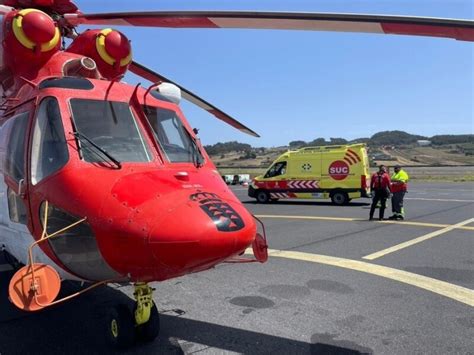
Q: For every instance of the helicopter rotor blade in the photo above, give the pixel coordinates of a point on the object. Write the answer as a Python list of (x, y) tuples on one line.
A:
[(154, 77), (381, 24), (5, 9)]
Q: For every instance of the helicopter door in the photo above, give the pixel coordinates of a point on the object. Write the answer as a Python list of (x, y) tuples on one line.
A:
[(14, 134), (49, 151)]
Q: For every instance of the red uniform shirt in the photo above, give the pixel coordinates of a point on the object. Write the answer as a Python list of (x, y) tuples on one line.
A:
[(380, 181)]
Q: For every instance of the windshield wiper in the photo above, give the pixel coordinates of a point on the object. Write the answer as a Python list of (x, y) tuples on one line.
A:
[(83, 138), (198, 159)]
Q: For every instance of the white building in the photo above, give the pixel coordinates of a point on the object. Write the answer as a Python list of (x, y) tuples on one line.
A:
[(423, 143)]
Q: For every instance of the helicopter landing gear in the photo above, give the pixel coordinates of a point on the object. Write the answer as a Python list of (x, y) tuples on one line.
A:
[(125, 327), (120, 328), (146, 314)]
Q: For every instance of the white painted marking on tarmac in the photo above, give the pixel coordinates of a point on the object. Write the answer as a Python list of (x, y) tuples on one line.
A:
[(437, 199), (446, 289), (409, 243)]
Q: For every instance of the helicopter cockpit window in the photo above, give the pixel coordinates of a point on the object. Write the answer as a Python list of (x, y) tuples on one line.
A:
[(67, 83), (15, 135), (172, 136), (49, 149), (277, 170), (112, 127), (15, 152)]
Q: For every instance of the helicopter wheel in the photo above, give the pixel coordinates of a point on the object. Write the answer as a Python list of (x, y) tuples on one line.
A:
[(120, 327), (148, 331)]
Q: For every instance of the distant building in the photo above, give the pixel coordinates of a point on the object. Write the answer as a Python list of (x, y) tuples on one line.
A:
[(382, 156), (423, 143)]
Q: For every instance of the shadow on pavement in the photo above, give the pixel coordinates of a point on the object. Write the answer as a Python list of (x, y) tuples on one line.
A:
[(76, 327)]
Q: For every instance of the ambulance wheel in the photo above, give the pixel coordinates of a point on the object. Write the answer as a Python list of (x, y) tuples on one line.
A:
[(340, 198), (262, 196), (120, 327)]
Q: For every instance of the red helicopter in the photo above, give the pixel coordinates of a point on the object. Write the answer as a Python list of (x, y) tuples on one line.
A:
[(105, 182)]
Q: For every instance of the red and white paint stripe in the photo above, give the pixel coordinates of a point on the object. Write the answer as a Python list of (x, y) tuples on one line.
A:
[(381, 24), (280, 195), (303, 184)]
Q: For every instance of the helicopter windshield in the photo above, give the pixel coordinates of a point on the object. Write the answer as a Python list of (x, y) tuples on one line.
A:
[(110, 126), (173, 138)]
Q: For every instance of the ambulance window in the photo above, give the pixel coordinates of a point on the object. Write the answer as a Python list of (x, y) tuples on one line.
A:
[(277, 169), (49, 149)]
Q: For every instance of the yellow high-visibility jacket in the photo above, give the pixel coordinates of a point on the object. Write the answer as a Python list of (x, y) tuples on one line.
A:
[(400, 181)]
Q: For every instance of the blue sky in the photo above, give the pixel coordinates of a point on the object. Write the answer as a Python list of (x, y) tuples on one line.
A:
[(295, 85)]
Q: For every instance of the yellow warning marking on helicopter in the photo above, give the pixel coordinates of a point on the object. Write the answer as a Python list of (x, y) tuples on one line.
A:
[(446, 289), (101, 49), (17, 26), (416, 240), (344, 219)]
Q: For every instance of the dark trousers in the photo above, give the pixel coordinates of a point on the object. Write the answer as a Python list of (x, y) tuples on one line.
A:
[(380, 195), (397, 203)]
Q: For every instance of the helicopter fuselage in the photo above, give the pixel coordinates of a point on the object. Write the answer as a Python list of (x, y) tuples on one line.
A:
[(125, 159)]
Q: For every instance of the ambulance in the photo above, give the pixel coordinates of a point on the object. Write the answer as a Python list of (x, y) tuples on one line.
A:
[(338, 172)]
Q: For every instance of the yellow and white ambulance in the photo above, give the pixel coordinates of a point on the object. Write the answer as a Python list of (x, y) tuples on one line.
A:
[(340, 173)]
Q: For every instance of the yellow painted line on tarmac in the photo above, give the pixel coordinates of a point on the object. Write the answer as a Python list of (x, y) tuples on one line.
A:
[(446, 289), (423, 224), (319, 218), (416, 240), (437, 199), (344, 219)]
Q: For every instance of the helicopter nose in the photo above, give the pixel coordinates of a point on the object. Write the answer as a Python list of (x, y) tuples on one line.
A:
[(200, 233)]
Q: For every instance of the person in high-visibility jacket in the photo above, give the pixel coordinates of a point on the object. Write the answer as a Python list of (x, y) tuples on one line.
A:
[(399, 189)]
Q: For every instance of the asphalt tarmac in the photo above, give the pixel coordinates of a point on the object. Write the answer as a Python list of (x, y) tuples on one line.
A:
[(335, 283)]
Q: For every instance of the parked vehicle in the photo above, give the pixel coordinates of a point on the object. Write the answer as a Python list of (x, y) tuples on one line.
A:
[(237, 179), (340, 173)]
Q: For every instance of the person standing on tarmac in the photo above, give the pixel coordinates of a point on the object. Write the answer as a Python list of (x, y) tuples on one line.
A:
[(399, 188), (380, 191)]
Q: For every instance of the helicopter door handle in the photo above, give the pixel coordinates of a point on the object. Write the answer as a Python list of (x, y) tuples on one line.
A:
[(20, 188), (182, 175)]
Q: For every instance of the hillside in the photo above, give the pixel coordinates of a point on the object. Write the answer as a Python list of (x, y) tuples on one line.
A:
[(388, 147)]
